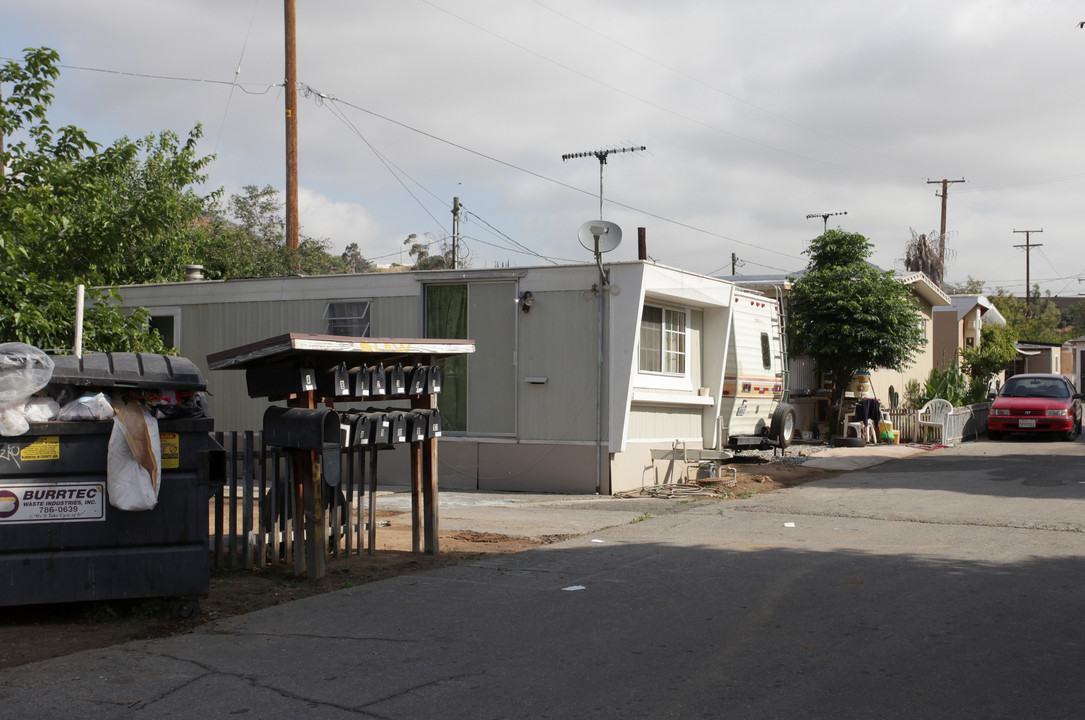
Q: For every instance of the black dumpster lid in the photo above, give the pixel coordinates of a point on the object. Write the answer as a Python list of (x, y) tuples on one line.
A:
[(128, 370)]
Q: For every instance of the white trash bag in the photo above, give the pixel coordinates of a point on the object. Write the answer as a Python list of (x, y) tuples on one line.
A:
[(134, 463)]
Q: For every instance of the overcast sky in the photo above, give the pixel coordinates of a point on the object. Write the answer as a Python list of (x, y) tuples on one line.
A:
[(754, 114)]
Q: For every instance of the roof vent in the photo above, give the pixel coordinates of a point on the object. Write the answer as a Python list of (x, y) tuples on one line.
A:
[(193, 273)]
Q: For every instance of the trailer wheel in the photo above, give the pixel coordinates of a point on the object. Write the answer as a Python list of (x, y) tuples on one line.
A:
[(782, 429)]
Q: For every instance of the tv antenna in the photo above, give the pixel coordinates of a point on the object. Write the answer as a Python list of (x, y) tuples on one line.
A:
[(825, 218), (601, 155)]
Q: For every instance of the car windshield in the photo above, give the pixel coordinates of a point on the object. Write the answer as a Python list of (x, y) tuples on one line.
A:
[(1035, 388)]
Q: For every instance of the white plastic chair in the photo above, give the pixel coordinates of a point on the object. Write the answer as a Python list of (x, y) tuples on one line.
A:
[(932, 416)]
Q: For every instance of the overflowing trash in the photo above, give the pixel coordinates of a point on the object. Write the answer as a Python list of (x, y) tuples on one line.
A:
[(24, 370), (36, 388)]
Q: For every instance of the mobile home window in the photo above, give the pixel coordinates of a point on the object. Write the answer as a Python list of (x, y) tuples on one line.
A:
[(766, 351), (347, 318), (662, 340)]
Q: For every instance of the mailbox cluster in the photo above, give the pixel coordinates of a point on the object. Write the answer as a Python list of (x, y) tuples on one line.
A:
[(325, 430)]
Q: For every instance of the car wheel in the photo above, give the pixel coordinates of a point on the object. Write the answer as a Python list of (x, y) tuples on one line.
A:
[(994, 434)]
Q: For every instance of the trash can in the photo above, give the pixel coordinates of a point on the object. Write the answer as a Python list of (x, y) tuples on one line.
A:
[(61, 540)]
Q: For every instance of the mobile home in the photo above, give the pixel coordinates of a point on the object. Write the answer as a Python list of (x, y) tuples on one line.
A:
[(576, 378)]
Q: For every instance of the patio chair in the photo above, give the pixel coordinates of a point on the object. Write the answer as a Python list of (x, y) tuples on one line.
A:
[(932, 416), (863, 419)]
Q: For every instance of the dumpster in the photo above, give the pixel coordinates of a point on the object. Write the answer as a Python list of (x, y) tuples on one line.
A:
[(60, 539)]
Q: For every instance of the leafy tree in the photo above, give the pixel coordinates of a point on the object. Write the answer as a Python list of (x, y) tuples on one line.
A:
[(849, 315), (971, 286), (50, 174), (248, 239), (354, 261), (421, 251), (996, 351), (1038, 324)]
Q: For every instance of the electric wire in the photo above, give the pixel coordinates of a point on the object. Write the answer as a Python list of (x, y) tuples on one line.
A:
[(657, 106), (237, 73)]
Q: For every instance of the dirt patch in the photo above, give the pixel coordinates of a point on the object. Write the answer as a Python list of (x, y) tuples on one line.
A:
[(33, 633)]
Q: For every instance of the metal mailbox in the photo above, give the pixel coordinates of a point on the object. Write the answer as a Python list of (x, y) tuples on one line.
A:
[(280, 380), (307, 429), (333, 381)]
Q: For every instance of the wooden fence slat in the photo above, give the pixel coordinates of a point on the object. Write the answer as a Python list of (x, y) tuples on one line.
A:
[(247, 476)]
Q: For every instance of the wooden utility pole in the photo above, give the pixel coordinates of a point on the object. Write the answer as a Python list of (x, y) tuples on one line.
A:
[(455, 232), (291, 128), (944, 196), (1028, 247)]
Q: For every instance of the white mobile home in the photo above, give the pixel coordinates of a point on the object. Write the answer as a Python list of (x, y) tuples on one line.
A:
[(527, 410)]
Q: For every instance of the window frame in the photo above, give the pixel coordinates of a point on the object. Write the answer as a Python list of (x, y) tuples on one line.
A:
[(344, 320), (665, 379)]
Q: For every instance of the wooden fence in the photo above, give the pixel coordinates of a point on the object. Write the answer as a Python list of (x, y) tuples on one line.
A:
[(251, 515)]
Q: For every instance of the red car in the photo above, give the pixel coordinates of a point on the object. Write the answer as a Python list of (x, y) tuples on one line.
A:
[(1036, 403)]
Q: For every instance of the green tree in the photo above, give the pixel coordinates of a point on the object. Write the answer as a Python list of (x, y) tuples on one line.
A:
[(426, 261), (971, 286), (1040, 323), (50, 174), (848, 315), (248, 239), (996, 351), (354, 261)]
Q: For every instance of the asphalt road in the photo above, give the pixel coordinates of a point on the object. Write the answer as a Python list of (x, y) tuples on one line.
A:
[(947, 585)]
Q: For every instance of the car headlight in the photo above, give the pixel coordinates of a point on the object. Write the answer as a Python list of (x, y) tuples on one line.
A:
[(1000, 411), (1057, 412)]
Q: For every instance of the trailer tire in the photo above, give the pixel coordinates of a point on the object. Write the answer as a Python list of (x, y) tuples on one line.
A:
[(853, 442), (782, 429)]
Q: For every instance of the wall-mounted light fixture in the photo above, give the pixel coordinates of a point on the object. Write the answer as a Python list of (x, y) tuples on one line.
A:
[(526, 300)]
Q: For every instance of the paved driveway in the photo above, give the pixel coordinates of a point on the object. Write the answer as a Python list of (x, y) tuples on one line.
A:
[(942, 586)]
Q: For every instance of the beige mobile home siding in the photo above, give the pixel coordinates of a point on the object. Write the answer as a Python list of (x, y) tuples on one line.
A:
[(665, 423), (559, 341)]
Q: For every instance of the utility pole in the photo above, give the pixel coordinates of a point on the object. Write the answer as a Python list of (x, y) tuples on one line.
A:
[(825, 219), (455, 232), (1028, 247), (734, 263), (944, 196), (601, 155), (291, 128)]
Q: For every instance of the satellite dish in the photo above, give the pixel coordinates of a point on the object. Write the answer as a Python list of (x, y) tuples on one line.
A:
[(600, 236)]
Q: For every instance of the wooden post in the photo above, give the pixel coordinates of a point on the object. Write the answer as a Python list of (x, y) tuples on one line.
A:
[(309, 523), (427, 478), (416, 497)]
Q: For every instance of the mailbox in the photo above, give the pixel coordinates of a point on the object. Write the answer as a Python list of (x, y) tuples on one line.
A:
[(417, 379), (361, 381), (378, 380), (333, 381), (433, 423), (433, 381), (279, 380), (361, 427), (397, 380), (307, 429)]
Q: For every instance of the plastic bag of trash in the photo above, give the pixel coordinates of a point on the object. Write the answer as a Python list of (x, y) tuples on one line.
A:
[(87, 407), (41, 409), (13, 419), (24, 369), (134, 458)]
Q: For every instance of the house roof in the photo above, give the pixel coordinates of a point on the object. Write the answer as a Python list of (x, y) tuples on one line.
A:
[(919, 282), (964, 304)]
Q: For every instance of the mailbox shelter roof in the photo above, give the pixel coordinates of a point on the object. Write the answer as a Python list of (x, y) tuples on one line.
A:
[(295, 345)]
